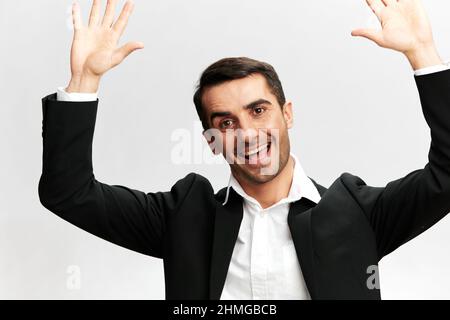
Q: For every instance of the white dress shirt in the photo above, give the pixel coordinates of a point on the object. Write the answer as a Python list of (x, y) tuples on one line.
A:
[(264, 262)]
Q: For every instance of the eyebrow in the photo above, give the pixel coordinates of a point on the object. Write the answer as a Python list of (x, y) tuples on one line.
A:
[(251, 105)]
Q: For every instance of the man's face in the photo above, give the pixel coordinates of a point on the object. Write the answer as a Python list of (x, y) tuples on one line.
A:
[(251, 125)]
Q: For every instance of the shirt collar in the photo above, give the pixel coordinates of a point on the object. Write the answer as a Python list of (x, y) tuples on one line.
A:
[(301, 186)]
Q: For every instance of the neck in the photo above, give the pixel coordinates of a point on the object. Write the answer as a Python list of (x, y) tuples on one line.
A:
[(271, 192)]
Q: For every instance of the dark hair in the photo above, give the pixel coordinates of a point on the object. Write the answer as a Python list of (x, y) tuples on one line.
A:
[(234, 68)]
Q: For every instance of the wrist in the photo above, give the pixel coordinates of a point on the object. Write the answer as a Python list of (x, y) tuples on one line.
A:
[(83, 84), (423, 57)]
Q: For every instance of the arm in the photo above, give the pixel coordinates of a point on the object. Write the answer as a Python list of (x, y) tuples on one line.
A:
[(408, 206), (67, 186)]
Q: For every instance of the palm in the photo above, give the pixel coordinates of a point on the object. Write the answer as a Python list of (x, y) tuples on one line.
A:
[(94, 48), (92, 51), (404, 23)]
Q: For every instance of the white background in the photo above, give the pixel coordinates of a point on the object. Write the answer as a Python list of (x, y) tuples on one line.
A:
[(356, 109)]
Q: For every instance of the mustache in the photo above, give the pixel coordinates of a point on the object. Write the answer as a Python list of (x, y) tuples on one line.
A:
[(252, 138)]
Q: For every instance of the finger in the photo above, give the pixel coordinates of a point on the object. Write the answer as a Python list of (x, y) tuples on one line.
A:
[(371, 34), (377, 6), (76, 16), (124, 51), (95, 13), (108, 18), (122, 21)]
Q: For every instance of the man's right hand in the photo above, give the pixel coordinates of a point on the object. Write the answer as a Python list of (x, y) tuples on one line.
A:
[(94, 48)]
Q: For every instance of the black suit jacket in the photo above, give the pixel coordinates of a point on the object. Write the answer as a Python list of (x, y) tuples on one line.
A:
[(351, 228)]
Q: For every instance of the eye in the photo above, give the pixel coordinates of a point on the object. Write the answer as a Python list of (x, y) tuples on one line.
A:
[(258, 110), (226, 123)]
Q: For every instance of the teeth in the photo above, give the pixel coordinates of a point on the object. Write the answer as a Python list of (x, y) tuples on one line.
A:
[(257, 150)]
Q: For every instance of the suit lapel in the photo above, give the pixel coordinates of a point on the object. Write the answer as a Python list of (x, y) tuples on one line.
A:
[(228, 220), (226, 228), (299, 221)]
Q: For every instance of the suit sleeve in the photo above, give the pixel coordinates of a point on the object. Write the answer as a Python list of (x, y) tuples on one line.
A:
[(67, 187), (406, 207)]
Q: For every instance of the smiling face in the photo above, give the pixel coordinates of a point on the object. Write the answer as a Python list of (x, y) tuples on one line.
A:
[(252, 126)]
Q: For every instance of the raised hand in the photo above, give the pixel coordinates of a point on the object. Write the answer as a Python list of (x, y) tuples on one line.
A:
[(405, 28), (94, 48)]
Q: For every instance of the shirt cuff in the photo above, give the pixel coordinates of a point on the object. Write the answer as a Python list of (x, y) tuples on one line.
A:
[(62, 95), (432, 69)]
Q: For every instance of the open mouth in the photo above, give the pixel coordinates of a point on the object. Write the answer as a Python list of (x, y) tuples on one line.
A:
[(258, 156), (257, 151)]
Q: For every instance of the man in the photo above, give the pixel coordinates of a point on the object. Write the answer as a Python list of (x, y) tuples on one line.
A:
[(273, 233)]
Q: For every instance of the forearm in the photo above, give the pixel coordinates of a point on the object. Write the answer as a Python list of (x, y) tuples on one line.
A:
[(80, 89), (67, 134), (435, 100), (84, 83), (68, 188), (423, 57), (408, 206)]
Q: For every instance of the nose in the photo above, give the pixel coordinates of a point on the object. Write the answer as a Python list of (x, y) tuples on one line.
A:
[(247, 133)]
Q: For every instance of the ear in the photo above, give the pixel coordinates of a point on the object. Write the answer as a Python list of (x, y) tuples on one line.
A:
[(288, 115), (213, 139)]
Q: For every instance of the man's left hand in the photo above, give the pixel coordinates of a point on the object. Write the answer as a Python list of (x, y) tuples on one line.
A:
[(405, 28)]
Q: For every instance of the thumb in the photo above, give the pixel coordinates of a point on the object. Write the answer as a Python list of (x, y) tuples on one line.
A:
[(121, 53), (371, 34)]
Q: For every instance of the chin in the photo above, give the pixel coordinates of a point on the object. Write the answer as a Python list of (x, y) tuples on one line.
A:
[(259, 178), (261, 167), (257, 175)]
